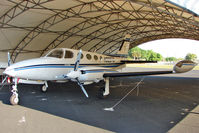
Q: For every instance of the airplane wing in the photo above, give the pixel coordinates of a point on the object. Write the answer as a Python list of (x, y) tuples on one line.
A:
[(127, 74), (180, 67), (137, 61)]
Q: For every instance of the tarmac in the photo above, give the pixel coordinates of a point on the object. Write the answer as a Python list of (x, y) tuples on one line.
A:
[(164, 104), (190, 124)]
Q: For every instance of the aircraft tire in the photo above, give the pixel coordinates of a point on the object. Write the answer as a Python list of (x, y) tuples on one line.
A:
[(14, 100), (44, 89)]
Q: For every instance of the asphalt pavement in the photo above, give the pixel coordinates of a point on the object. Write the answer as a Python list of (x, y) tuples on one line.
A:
[(162, 102)]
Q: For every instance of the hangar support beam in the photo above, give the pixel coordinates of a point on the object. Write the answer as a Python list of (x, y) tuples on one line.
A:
[(99, 25)]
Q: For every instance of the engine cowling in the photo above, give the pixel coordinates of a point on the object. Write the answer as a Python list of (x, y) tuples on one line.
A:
[(91, 74), (184, 66)]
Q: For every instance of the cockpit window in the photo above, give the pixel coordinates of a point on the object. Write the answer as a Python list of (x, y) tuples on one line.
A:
[(68, 54), (56, 54)]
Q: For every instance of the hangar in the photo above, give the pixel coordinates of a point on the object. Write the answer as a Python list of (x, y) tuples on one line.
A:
[(29, 28)]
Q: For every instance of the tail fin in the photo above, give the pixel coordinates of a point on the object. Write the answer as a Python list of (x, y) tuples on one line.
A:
[(124, 48)]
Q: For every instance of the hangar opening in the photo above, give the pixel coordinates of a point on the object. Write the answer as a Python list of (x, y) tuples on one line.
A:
[(174, 48)]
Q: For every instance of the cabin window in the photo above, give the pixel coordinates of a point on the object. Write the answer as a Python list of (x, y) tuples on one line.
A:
[(82, 56), (56, 53), (95, 57), (101, 58), (68, 54), (88, 56)]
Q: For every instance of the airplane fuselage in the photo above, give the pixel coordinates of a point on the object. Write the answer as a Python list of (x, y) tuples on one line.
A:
[(61, 61)]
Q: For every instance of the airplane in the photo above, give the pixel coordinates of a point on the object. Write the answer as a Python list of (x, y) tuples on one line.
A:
[(64, 64)]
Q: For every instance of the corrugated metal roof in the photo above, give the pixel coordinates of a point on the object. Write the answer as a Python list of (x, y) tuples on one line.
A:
[(29, 28)]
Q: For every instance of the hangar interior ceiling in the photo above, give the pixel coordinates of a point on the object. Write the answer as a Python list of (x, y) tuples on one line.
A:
[(29, 28)]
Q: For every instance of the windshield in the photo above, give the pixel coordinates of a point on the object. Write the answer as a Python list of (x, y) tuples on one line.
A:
[(56, 53)]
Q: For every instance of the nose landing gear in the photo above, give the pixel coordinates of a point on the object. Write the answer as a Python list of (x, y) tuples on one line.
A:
[(14, 99)]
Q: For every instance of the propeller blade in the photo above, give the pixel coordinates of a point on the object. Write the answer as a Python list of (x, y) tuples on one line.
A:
[(9, 60), (82, 87), (3, 82), (4, 79), (77, 60)]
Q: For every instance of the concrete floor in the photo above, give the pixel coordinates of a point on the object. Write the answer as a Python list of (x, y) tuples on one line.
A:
[(190, 124), (163, 101)]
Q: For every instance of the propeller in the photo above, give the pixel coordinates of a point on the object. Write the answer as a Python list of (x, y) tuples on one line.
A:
[(3, 82), (82, 87), (9, 59), (75, 74), (78, 60)]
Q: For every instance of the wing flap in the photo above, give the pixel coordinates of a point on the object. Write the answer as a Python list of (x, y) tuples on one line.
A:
[(126, 74)]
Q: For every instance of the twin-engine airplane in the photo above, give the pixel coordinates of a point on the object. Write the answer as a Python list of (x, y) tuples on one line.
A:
[(63, 64)]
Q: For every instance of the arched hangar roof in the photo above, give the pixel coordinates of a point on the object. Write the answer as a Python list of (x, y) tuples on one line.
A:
[(28, 28)]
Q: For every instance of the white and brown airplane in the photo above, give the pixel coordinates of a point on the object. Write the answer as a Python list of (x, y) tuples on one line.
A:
[(63, 64)]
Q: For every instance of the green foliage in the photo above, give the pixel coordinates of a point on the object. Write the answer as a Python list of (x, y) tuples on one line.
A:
[(191, 56), (179, 59), (171, 59), (138, 53)]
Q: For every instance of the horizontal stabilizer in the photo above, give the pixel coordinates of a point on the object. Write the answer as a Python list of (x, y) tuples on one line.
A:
[(127, 74)]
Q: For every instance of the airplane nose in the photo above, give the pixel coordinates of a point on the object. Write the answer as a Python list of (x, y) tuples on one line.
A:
[(9, 71)]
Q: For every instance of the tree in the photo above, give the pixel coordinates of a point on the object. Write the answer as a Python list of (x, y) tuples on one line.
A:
[(135, 53), (143, 54), (138, 53), (152, 56), (171, 59), (191, 56), (159, 57), (179, 59)]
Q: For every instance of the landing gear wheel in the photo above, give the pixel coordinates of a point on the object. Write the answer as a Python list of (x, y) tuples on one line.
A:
[(44, 88), (14, 100), (101, 93)]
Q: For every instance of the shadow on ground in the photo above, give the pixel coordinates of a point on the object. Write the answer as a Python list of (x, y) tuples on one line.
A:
[(159, 106)]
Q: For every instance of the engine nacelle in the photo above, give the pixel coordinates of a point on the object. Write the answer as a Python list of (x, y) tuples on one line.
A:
[(91, 77), (91, 74), (184, 66)]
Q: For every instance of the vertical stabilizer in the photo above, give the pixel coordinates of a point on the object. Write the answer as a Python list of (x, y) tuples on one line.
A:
[(124, 48)]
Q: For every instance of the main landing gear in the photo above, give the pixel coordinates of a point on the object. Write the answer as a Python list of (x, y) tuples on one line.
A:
[(44, 87), (104, 91), (14, 99)]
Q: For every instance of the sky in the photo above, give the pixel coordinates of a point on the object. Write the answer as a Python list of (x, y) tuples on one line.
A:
[(173, 47), (192, 5)]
